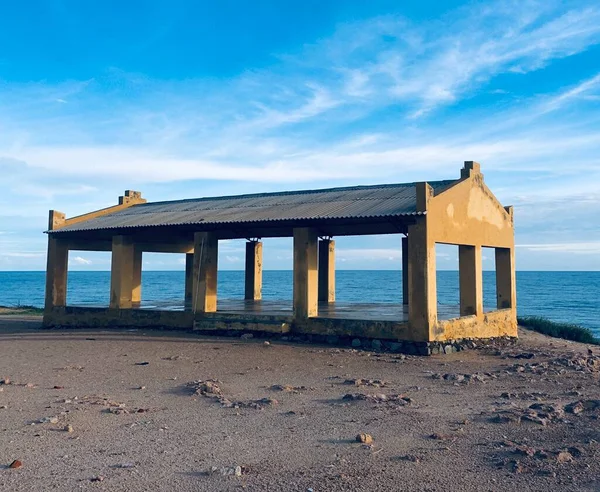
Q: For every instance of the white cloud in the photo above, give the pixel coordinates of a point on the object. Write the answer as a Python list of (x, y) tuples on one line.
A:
[(591, 248), (78, 260)]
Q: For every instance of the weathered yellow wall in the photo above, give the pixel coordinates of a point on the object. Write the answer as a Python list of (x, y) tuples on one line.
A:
[(468, 213), (493, 324)]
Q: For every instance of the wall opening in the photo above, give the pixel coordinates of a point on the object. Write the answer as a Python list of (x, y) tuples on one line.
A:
[(488, 261), (447, 281), (163, 281), (88, 278)]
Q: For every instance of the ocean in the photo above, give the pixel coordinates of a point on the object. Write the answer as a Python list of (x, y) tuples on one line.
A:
[(572, 297)]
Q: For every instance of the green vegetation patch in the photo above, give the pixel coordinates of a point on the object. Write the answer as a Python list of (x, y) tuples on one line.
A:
[(568, 331), (21, 309)]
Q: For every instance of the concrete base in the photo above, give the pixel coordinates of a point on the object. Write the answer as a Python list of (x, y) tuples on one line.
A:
[(337, 326)]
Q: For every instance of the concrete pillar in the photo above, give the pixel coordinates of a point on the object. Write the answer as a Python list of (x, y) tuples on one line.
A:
[(471, 280), (327, 270), (253, 279), (121, 272), (422, 302), (206, 251), (136, 284), (56, 273), (505, 278), (189, 280), (405, 270), (305, 273)]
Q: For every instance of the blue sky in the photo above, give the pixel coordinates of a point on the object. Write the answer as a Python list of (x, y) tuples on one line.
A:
[(184, 99)]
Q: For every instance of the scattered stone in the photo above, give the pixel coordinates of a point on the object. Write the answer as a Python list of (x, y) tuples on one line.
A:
[(380, 398), (5, 381), (48, 420), (266, 343), (58, 387), (364, 438), (69, 428), (125, 465), (459, 378), (564, 457), (288, 389), (577, 407), (247, 336), (376, 383), (226, 471), (524, 450), (29, 385), (142, 363), (410, 457), (99, 478), (141, 387), (16, 464), (443, 437), (210, 389), (3, 407)]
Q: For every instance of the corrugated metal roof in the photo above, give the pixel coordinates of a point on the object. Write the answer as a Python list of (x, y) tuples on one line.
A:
[(336, 203)]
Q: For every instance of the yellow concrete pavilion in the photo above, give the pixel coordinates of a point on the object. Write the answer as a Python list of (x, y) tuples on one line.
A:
[(461, 212)]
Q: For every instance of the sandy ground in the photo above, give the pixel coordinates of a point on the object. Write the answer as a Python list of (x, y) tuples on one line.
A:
[(139, 427)]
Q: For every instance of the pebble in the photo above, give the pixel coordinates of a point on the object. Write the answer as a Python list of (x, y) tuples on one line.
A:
[(69, 428), (364, 438), (16, 464), (48, 420), (97, 479), (266, 344)]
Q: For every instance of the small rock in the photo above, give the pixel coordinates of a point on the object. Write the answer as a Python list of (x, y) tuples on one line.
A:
[(69, 428), (524, 450), (364, 438), (142, 363), (3, 407), (48, 420), (266, 343), (16, 464), (141, 387), (58, 387), (564, 457), (5, 381), (99, 478)]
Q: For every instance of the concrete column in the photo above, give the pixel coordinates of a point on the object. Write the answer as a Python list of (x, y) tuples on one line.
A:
[(405, 270), (305, 273), (206, 250), (327, 270), (422, 303), (121, 272), (189, 281), (136, 284), (505, 279), (253, 279), (56, 273), (471, 280)]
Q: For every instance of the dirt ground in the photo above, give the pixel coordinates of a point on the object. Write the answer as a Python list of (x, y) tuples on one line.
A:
[(144, 410)]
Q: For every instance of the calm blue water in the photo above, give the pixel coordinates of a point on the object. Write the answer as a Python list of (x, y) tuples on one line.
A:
[(562, 296)]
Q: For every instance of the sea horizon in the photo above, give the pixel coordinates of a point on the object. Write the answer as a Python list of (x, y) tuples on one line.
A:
[(562, 296)]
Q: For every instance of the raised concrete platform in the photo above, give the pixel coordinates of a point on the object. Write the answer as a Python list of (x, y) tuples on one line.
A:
[(284, 309)]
